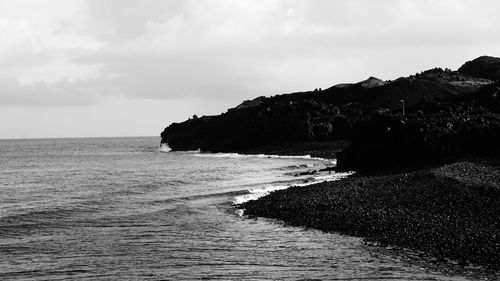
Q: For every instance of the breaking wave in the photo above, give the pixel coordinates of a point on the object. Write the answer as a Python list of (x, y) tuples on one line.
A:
[(254, 194), (238, 155), (164, 148)]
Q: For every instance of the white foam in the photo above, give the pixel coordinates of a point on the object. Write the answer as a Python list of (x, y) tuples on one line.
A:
[(237, 155), (189, 151), (255, 194), (164, 148)]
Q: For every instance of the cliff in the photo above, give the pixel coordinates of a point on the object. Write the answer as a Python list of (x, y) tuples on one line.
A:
[(446, 131), (442, 106)]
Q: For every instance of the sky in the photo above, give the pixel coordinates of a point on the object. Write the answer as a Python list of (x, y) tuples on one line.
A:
[(95, 68)]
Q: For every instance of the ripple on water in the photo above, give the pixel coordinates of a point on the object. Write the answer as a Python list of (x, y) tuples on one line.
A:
[(85, 212)]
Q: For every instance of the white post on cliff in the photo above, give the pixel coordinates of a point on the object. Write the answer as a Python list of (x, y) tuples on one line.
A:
[(403, 102)]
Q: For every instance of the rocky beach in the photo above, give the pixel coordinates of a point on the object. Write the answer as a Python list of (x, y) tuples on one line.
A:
[(425, 149), (448, 212)]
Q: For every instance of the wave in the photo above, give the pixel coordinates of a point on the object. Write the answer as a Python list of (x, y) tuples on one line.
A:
[(165, 148), (295, 167), (238, 155), (185, 151), (29, 221), (230, 193), (254, 194)]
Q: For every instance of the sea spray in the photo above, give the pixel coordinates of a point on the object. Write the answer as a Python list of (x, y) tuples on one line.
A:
[(164, 148)]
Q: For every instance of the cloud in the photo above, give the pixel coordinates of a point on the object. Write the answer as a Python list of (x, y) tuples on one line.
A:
[(19, 45), (228, 50), (62, 93), (117, 67), (126, 19), (220, 49)]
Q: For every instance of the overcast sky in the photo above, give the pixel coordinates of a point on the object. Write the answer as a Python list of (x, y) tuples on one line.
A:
[(71, 68)]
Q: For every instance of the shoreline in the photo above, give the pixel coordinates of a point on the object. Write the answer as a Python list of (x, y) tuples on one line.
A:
[(327, 150), (448, 212)]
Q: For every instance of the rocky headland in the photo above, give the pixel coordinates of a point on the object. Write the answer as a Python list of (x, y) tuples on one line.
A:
[(447, 113), (426, 148)]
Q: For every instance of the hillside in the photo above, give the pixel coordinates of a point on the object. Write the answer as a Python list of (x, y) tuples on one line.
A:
[(485, 66)]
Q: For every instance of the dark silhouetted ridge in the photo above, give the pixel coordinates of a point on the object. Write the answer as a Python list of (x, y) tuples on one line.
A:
[(447, 113), (484, 67)]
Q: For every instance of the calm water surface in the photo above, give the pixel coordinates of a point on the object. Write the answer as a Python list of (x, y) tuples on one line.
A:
[(119, 209)]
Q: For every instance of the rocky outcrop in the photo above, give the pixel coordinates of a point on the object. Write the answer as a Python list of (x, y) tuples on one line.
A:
[(484, 67), (273, 121), (448, 112), (428, 132), (372, 82), (368, 83), (250, 103)]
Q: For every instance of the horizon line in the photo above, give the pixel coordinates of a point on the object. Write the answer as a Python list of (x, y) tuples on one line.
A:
[(87, 137)]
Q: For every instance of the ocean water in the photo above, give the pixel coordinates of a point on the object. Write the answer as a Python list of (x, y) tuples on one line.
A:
[(121, 209)]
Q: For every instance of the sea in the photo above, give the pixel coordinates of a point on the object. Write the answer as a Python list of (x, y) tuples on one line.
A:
[(128, 209)]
